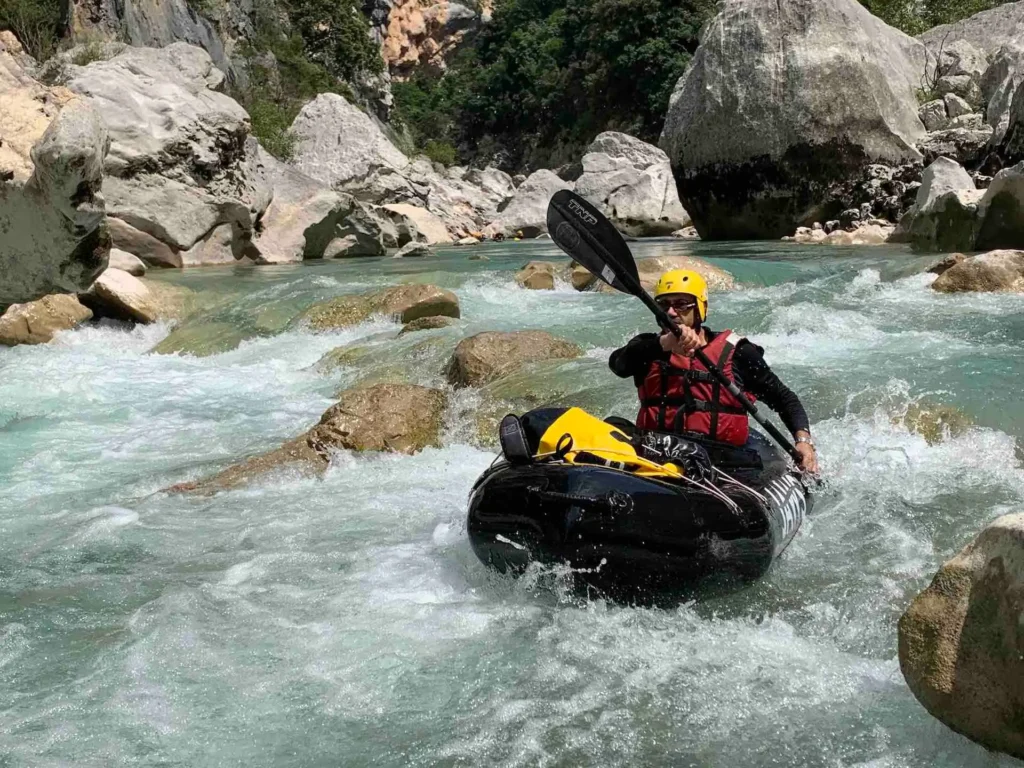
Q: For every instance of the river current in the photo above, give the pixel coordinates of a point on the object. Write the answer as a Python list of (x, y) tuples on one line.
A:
[(345, 621)]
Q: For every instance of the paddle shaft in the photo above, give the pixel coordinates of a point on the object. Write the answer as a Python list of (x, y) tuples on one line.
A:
[(669, 324)]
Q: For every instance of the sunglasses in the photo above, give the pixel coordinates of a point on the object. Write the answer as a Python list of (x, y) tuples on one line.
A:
[(679, 305)]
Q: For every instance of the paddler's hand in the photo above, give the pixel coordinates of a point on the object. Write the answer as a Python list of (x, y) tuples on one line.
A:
[(685, 344), (808, 458)]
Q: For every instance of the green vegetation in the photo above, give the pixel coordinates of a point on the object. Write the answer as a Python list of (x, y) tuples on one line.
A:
[(440, 152), (328, 45), (336, 36), (34, 22), (553, 73), (916, 16)]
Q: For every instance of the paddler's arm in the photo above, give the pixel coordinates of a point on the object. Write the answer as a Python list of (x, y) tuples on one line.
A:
[(761, 381), (635, 358)]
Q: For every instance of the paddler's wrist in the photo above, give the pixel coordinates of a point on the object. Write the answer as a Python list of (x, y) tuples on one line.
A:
[(803, 437)]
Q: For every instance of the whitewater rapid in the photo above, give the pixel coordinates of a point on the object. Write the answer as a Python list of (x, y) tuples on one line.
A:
[(346, 621)]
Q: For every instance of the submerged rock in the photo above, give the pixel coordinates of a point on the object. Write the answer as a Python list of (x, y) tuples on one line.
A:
[(405, 302), (960, 643), (935, 421), (402, 418), (487, 356), (427, 323), (37, 322), (202, 339), (814, 92), (996, 271)]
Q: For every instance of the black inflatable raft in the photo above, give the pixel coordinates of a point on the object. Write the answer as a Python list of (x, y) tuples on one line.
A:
[(639, 538)]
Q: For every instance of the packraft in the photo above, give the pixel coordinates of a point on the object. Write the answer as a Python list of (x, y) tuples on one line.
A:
[(573, 490)]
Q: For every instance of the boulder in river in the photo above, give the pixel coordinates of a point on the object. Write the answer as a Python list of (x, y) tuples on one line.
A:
[(944, 214), (1001, 211), (996, 271), (412, 251), (527, 211), (488, 356), (538, 275), (127, 262), (52, 148), (37, 322), (119, 295), (405, 302), (631, 182), (814, 92), (427, 324), (652, 267), (960, 646), (401, 418)]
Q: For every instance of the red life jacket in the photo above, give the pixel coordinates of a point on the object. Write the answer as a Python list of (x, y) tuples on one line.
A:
[(681, 395)]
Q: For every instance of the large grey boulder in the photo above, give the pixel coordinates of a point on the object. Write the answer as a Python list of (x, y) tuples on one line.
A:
[(337, 143), (944, 214), (526, 212), (631, 182), (52, 148), (980, 58), (343, 148), (999, 85), (182, 167), (783, 102), (960, 639), (303, 216), (984, 32), (1001, 211)]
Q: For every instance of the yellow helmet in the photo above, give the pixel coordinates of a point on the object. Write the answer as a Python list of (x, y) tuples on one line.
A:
[(685, 281)]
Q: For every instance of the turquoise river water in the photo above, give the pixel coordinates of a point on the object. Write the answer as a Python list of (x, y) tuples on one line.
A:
[(346, 622)]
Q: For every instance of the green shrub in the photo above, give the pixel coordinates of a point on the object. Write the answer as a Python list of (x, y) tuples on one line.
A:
[(36, 24), (270, 124), (88, 53), (440, 152), (336, 35)]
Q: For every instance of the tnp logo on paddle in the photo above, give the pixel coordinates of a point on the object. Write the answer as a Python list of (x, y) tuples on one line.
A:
[(582, 212)]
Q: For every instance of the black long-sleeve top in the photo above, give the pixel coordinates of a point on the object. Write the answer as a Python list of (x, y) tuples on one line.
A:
[(749, 369)]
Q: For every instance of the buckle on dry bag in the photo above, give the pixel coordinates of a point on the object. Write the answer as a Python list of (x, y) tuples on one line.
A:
[(513, 441)]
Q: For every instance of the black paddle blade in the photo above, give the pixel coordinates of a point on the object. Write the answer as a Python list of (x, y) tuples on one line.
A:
[(583, 232)]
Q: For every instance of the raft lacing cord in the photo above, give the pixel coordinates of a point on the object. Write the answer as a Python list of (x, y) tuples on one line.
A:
[(706, 487), (733, 481)]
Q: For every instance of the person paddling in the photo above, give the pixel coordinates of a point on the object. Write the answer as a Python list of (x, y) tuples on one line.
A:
[(677, 393)]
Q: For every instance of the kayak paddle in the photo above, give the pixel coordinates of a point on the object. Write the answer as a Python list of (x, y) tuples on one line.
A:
[(585, 234)]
